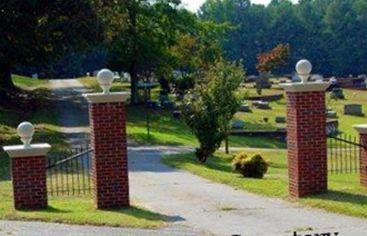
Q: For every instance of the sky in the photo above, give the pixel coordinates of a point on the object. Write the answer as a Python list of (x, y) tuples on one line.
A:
[(194, 5)]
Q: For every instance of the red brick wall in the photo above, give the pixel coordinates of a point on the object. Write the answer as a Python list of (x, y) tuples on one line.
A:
[(363, 161), (307, 143), (29, 182), (109, 165)]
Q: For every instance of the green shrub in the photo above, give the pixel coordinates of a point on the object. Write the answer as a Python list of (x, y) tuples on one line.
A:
[(253, 167), (209, 107)]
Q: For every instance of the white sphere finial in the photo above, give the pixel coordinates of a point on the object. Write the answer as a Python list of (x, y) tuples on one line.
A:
[(105, 79), (25, 131), (304, 68)]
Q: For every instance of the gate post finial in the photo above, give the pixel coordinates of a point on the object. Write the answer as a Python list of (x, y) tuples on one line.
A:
[(304, 68), (105, 80), (25, 131)]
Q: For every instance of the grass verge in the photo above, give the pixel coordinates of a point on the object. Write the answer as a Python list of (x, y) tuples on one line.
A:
[(345, 195), (79, 210)]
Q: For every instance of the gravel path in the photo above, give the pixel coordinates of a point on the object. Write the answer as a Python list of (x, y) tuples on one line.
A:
[(72, 109), (195, 205)]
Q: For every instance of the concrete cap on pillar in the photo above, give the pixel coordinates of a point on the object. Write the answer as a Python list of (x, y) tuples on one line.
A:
[(362, 129), (25, 131), (304, 68)]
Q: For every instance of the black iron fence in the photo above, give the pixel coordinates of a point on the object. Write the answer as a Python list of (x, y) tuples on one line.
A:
[(70, 175), (343, 154)]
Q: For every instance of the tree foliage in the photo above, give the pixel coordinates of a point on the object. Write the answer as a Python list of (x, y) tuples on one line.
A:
[(330, 33), (139, 34), (273, 59), (210, 106), (34, 32)]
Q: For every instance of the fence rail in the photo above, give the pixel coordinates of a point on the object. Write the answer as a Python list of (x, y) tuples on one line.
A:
[(70, 175), (343, 154)]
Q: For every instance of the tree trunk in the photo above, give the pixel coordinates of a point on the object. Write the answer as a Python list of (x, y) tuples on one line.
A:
[(226, 143), (132, 10), (134, 86), (6, 83)]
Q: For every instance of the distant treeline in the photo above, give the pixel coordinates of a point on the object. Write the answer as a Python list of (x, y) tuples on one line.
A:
[(332, 34)]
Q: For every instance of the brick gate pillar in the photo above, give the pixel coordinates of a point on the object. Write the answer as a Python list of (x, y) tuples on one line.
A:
[(108, 139), (306, 134), (362, 129), (28, 170)]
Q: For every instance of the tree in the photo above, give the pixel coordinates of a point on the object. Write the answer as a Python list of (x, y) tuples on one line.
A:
[(210, 106), (268, 62), (312, 28), (140, 33), (273, 59), (34, 32), (194, 53)]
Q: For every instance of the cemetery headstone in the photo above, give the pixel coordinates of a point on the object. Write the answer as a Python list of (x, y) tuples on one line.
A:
[(353, 110), (176, 114), (332, 126), (337, 93), (261, 104), (116, 76), (168, 105), (152, 104), (331, 114), (238, 124), (245, 108), (280, 119)]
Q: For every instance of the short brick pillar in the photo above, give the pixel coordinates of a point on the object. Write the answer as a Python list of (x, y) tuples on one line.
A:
[(362, 129), (306, 138), (108, 140), (28, 169)]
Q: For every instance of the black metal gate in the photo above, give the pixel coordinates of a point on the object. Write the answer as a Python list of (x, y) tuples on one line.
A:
[(70, 175), (344, 154)]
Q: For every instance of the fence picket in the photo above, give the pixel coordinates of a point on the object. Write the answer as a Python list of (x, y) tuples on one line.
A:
[(70, 175), (343, 154)]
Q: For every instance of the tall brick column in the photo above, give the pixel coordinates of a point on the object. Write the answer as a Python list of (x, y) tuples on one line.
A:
[(28, 165), (108, 140), (306, 137), (362, 129)]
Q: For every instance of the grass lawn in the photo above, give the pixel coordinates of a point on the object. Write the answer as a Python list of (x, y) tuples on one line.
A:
[(167, 130), (29, 83), (79, 210), (345, 194), (255, 119)]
